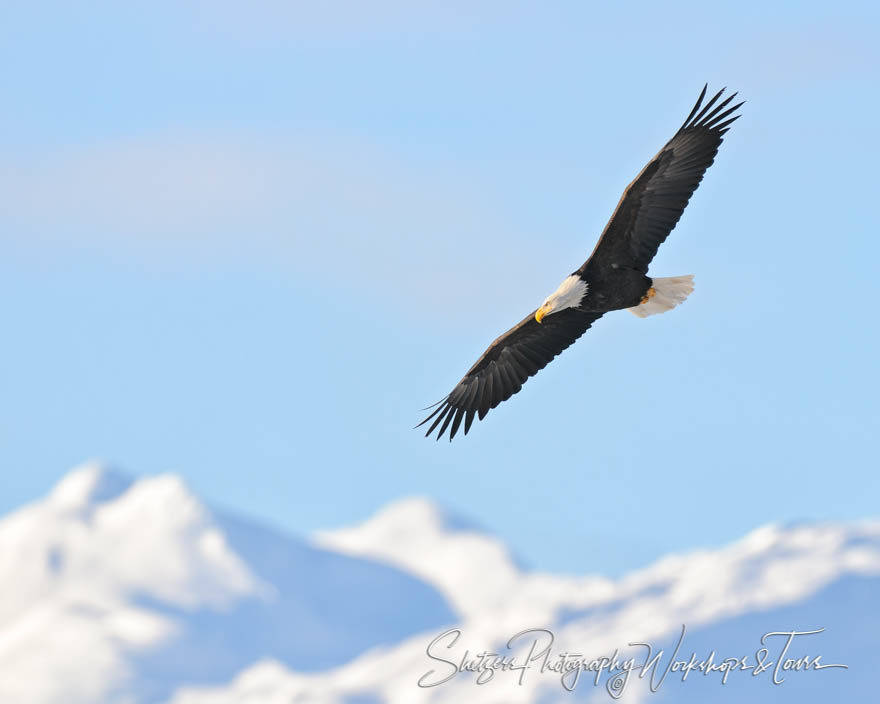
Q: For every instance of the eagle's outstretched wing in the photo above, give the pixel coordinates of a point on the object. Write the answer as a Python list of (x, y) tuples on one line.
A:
[(506, 365), (652, 204)]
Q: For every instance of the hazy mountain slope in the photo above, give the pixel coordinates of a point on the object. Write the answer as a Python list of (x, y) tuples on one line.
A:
[(112, 587), (799, 577), (119, 591)]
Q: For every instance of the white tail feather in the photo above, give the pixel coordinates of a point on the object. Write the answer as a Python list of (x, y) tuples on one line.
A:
[(668, 293)]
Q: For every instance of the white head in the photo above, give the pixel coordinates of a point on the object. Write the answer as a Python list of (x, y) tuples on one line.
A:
[(569, 295)]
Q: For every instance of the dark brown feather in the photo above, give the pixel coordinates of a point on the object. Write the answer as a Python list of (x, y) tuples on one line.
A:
[(653, 203), (506, 365)]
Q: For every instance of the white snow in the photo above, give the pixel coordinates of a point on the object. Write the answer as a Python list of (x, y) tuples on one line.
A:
[(73, 567), (115, 591), (771, 567), (472, 569)]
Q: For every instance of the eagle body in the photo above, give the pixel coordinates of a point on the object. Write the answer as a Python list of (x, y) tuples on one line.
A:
[(613, 288), (614, 277)]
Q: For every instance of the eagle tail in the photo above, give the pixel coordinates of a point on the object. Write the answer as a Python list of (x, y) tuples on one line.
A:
[(664, 295)]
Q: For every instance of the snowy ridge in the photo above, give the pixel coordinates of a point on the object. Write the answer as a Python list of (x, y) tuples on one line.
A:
[(133, 592), (117, 591), (469, 567), (72, 566), (771, 568)]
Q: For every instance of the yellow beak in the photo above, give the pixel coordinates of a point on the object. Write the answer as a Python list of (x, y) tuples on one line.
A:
[(541, 312)]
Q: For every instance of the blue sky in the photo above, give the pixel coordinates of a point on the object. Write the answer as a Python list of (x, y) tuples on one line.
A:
[(248, 244)]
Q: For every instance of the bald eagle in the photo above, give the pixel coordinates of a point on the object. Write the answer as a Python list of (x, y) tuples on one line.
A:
[(614, 277)]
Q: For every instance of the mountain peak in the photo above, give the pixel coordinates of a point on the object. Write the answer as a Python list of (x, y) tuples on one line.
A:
[(472, 568), (141, 585), (138, 587), (88, 485), (418, 513)]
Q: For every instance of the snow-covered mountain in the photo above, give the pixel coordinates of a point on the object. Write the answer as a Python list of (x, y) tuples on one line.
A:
[(469, 567), (121, 591), (135, 592)]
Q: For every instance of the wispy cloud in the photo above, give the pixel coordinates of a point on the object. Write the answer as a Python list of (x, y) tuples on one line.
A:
[(329, 210)]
